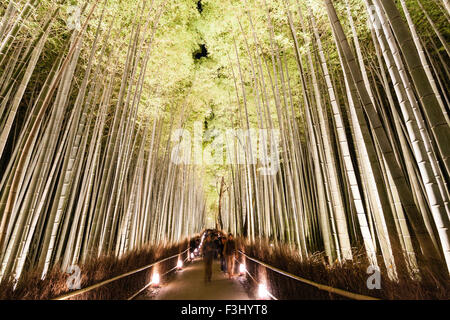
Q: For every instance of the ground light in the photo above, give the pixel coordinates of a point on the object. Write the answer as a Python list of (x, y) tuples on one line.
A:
[(155, 279), (192, 256), (179, 264), (242, 268), (262, 291)]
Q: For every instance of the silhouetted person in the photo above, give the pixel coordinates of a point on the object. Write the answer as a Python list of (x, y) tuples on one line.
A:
[(230, 251), (192, 244), (223, 263), (217, 245), (208, 256)]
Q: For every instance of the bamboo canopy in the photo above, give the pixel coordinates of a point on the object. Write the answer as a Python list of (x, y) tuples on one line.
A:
[(323, 125)]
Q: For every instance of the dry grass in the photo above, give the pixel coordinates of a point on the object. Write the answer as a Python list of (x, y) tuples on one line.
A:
[(350, 276), (31, 287)]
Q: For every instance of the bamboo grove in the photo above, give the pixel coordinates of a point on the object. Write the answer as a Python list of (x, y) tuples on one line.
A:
[(353, 92), (85, 176), (364, 161)]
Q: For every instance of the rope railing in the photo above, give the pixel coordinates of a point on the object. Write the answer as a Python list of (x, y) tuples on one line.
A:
[(319, 286), (256, 281), (102, 283)]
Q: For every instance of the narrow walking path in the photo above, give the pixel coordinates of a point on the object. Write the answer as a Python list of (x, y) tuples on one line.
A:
[(189, 285)]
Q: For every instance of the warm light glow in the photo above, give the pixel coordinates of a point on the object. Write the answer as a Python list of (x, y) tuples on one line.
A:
[(262, 291), (155, 279), (196, 250), (242, 268), (179, 264), (192, 256)]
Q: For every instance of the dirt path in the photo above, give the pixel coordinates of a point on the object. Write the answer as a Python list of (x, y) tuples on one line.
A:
[(189, 285)]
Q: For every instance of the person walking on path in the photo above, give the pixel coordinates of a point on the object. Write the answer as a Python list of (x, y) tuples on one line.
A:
[(223, 240), (230, 251), (217, 246), (208, 256), (193, 244)]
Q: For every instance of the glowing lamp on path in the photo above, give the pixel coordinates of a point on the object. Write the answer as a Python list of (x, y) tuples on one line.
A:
[(242, 268), (179, 264), (262, 291), (155, 279)]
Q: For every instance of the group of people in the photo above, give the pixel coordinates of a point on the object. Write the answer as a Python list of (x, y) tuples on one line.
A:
[(222, 246)]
